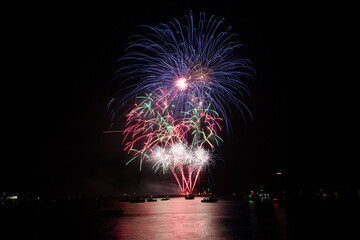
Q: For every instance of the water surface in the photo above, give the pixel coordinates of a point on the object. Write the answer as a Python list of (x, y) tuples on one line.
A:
[(185, 219)]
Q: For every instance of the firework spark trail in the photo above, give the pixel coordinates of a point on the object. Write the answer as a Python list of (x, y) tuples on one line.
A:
[(180, 158), (186, 60), (184, 79), (151, 124)]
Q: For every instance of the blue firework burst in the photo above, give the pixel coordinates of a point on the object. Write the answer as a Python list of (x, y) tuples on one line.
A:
[(190, 62)]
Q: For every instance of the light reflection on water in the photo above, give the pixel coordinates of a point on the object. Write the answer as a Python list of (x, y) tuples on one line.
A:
[(183, 219), (191, 219)]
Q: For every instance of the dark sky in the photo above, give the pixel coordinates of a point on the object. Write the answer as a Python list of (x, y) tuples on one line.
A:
[(60, 59)]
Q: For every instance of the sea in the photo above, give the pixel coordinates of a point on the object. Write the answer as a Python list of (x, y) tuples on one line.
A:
[(179, 218)]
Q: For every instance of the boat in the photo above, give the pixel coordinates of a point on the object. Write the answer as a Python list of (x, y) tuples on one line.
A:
[(137, 200), (210, 199), (165, 199), (151, 200), (189, 197)]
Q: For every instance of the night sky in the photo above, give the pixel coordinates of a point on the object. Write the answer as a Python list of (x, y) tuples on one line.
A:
[(60, 60)]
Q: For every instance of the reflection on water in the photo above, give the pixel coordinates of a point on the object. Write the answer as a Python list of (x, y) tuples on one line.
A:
[(183, 219), (191, 219)]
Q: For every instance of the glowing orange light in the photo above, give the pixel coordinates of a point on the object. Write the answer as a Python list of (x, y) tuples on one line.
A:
[(181, 83)]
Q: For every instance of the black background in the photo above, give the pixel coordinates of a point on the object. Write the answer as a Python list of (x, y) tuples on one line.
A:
[(60, 58)]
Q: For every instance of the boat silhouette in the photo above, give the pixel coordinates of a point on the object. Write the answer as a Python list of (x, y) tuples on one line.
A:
[(137, 200), (151, 199), (189, 197), (210, 199)]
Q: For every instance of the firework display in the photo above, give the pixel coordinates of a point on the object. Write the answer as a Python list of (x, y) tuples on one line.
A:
[(183, 79)]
